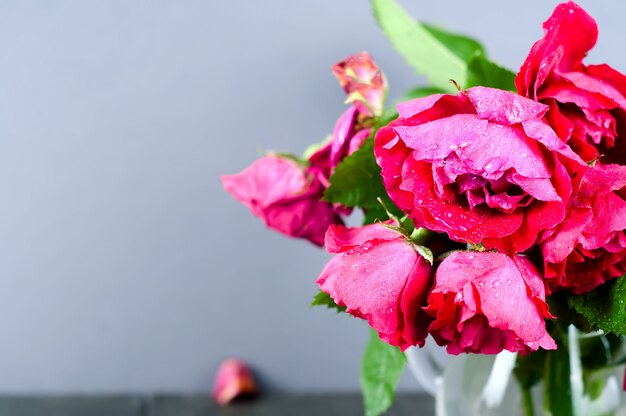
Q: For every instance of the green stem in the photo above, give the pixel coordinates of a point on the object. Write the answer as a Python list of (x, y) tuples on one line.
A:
[(557, 397), (529, 408)]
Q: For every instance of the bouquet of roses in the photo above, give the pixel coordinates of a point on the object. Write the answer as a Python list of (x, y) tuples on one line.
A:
[(494, 202)]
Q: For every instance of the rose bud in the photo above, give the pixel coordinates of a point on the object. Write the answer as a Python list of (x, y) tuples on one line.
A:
[(589, 247), (285, 195), (480, 166), (380, 276), (233, 380), (486, 302), (586, 102), (363, 82)]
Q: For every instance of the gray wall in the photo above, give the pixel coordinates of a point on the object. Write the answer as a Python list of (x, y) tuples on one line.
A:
[(123, 264)]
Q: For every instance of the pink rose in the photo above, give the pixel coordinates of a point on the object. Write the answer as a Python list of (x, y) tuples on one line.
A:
[(480, 166), (379, 275), (589, 247), (285, 195), (347, 137), (586, 102), (363, 82), (486, 302)]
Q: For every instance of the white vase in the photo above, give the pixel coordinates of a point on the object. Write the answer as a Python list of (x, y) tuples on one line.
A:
[(484, 385)]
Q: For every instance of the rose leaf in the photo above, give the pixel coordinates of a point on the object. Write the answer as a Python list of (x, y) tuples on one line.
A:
[(381, 368)]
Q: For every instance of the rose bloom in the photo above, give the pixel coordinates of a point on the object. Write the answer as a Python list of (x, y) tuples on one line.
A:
[(586, 101), (486, 302), (589, 247), (286, 196), (365, 86), (379, 275), (480, 166)]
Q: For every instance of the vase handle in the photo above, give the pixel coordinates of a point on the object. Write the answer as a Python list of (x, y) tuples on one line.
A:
[(425, 368)]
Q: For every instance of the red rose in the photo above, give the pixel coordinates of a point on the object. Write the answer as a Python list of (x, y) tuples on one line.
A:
[(379, 275), (486, 302), (586, 102), (286, 196), (480, 166), (589, 247)]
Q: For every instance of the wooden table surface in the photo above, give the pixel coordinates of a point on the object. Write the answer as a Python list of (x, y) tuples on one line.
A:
[(176, 405)]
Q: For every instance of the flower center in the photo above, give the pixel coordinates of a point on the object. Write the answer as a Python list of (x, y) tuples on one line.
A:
[(471, 190)]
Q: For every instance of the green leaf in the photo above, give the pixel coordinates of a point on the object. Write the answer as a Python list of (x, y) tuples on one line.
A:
[(374, 214), (605, 307), (462, 46), (381, 369), (356, 181), (481, 71), (438, 54), (324, 299)]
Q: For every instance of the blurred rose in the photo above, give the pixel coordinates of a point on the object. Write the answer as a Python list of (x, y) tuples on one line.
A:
[(486, 302), (586, 102), (233, 380), (285, 195), (379, 275)]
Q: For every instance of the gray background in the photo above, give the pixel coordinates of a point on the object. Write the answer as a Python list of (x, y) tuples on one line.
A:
[(123, 264)]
